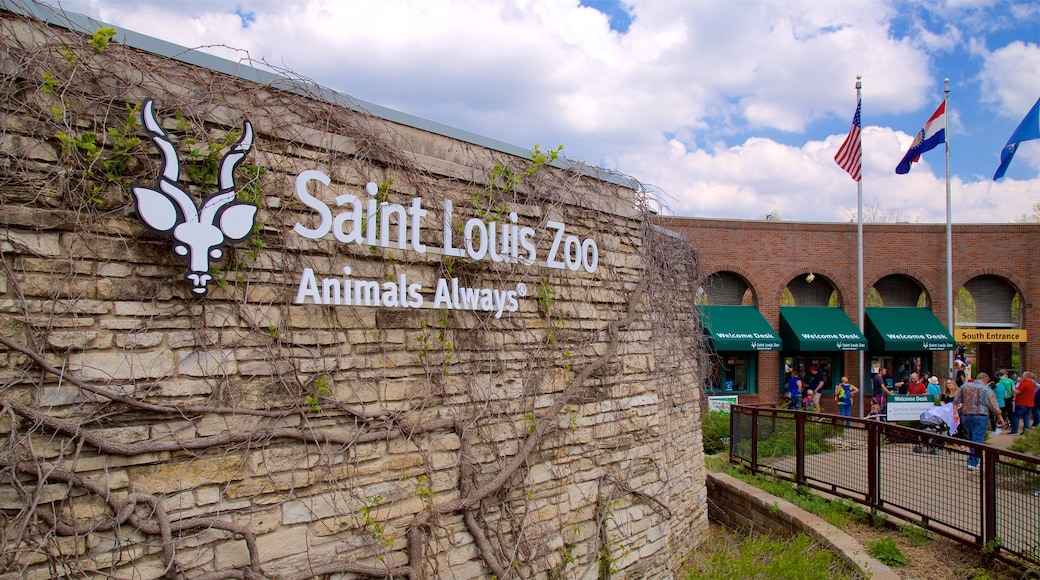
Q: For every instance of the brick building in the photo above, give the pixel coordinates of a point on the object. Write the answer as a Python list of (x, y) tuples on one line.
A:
[(780, 268)]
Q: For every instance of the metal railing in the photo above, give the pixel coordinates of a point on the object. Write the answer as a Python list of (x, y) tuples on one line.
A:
[(914, 475)]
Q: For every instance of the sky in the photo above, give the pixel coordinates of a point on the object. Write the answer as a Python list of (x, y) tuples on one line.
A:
[(722, 108)]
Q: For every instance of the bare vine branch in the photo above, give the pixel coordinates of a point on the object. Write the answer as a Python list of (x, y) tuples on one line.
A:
[(457, 406)]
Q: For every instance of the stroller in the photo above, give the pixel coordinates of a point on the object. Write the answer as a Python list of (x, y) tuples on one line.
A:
[(937, 420)]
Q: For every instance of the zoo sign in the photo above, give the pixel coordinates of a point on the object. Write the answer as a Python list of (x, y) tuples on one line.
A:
[(199, 234)]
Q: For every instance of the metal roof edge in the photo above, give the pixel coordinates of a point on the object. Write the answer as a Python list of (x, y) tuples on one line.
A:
[(56, 16), (667, 232)]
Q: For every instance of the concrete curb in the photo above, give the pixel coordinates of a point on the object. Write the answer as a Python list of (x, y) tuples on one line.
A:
[(757, 505)]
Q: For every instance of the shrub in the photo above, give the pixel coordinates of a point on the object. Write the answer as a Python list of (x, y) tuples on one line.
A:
[(781, 442), (715, 432), (1027, 442), (916, 534), (887, 551)]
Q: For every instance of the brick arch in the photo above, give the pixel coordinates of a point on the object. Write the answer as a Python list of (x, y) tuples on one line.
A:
[(915, 275), (1013, 279), (743, 272), (999, 274), (830, 275), (917, 251)]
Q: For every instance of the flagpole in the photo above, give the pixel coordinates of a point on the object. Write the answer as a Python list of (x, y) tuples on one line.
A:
[(859, 251), (949, 229)]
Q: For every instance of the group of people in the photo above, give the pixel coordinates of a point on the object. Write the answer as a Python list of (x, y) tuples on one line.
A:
[(978, 404), (914, 384), (923, 383), (806, 393), (1019, 398)]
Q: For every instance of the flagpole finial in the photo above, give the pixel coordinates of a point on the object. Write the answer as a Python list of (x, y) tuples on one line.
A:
[(859, 82), (946, 85)]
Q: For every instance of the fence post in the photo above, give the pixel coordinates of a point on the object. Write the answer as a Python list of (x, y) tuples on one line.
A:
[(799, 445), (873, 464), (754, 440), (989, 496)]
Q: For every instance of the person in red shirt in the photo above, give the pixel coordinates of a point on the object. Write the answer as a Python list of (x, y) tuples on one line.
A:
[(916, 386), (1024, 391)]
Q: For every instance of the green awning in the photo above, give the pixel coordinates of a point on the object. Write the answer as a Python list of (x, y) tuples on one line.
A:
[(738, 328), (906, 330), (818, 329)]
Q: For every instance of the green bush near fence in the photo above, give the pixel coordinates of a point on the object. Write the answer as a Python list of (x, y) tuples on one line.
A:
[(715, 432), (1023, 475), (1027, 442), (781, 441)]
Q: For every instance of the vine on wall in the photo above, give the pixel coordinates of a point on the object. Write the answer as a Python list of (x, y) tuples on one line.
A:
[(114, 378)]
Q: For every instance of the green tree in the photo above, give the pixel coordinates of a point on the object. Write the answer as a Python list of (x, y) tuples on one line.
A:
[(964, 306)]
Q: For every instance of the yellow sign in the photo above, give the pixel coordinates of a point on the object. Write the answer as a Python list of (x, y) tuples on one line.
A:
[(996, 335)]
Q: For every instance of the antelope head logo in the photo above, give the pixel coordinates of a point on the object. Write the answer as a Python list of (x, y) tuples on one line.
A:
[(198, 232)]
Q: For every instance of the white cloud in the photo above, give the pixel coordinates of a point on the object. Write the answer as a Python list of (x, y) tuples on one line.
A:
[(1009, 78), (673, 68), (804, 184), (659, 103)]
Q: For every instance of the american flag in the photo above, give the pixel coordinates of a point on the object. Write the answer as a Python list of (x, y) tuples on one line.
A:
[(850, 156)]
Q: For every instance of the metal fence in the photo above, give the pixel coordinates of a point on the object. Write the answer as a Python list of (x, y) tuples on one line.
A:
[(918, 476)]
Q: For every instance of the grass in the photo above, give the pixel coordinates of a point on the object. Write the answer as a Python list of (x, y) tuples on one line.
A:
[(836, 512), (729, 556), (841, 513)]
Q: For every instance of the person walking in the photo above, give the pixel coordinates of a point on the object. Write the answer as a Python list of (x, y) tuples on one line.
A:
[(1036, 406), (794, 390), (1008, 402), (1000, 392), (880, 390), (949, 391), (1025, 391), (948, 395), (915, 386), (817, 383), (843, 395), (977, 402), (934, 390)]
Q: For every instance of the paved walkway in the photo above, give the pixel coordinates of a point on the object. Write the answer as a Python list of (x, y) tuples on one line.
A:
[(937, 484), (1003, 440), (937, 487)]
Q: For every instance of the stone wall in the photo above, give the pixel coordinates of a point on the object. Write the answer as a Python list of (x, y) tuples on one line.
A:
[(750, 510), (548, 429)]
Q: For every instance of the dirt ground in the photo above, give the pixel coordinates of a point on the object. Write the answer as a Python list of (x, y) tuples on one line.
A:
[(937, 558)]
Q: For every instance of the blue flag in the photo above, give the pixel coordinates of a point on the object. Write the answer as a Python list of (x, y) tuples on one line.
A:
[(1028, 129)]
